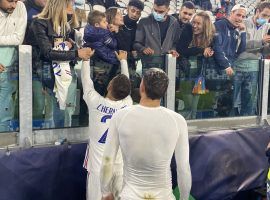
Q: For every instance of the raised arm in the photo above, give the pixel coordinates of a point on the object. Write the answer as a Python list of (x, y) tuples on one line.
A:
[(87, 83), (122, 57), (182, 161), (110, 152)]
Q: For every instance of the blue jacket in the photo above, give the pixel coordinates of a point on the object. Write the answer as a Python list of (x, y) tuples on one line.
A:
[(228, 43), (103, 42)]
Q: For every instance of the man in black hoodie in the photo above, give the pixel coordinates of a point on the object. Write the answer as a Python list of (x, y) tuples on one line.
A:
[(125, 40), (128, 31)]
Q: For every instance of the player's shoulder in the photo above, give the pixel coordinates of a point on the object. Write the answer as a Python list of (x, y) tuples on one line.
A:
[(123, 111), (173, 114)]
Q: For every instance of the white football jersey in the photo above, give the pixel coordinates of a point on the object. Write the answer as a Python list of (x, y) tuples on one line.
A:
[(100, 112)]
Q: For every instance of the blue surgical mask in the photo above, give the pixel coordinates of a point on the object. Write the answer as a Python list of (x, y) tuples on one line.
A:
[(158, 17), (261, 21)]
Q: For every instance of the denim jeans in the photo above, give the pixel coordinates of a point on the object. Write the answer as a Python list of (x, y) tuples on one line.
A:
[(8, 86), (245, 91)]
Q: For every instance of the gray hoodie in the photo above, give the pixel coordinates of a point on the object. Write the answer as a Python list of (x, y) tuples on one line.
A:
[(248, 60), (148, 35)]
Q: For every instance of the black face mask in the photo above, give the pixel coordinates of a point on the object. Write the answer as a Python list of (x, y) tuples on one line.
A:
[(130, 22), (69, 17)]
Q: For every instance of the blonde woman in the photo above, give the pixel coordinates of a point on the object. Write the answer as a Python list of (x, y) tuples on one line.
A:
[(198, 40), (50, 28), (195, 40)]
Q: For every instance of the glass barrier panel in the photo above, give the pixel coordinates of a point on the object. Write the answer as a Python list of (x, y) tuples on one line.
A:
[(48, 112), (9, 84), (203, 91), (46, 106)]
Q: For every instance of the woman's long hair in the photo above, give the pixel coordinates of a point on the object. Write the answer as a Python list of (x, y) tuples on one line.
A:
[(110, 14), (55, 10), (204, 39)]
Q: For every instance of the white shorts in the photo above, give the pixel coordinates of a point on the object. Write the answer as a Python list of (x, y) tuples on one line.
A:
[(93, 191)]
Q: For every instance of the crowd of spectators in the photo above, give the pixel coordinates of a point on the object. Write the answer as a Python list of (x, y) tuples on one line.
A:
[(44, 24)]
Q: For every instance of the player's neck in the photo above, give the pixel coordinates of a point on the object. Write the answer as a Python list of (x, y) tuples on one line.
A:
[(109, 96), (147, 102)]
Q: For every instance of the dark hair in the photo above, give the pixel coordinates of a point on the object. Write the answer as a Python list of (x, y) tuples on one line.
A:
[(262, 6), (162, 2), (156, 83), (95, 16), (136, 3), (188, 4), (120, 87), (110, 14)]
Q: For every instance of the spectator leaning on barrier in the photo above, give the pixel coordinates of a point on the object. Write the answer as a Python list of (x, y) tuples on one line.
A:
[(126, 35), (13, 18), (198, 44), (231, 38), (247, 64), (158, 33)]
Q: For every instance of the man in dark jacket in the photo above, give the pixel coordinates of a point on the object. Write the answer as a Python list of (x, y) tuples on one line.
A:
[(231, 38), (126, 35), (125, 40), (230, 42), (186, 12)]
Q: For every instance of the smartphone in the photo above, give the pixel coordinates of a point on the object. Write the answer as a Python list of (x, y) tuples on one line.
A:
[(268, 32)]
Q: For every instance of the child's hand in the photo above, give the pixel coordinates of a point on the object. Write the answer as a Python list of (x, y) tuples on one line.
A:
[(122, 55)]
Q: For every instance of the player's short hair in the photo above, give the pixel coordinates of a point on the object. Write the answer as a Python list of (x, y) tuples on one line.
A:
[(162, 2), (156, 83), (120, 87), (95, 16), (189, 5)]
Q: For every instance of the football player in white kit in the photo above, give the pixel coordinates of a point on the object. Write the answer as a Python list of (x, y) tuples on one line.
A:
[(101, 110), (148, 135)]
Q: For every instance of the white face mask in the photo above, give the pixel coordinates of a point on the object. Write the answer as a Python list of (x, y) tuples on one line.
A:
[(158, 17)]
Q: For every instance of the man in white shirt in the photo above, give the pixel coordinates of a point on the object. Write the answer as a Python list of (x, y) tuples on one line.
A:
[(101, 110), (147, 135), (13, 20)]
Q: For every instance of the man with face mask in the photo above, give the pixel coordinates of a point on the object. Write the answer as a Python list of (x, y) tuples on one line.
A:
[(13, 19), (158, 33), (247, 64)]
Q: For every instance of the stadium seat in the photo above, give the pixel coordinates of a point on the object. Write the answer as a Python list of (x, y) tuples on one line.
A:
[(99, 8)]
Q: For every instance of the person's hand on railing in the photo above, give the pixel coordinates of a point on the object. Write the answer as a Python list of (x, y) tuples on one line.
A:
[(122, 55), (229, 71), (2, 68), (148, 51), (85, 53), (174, 53)]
